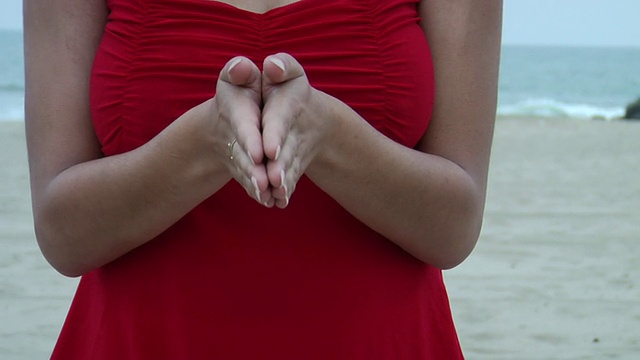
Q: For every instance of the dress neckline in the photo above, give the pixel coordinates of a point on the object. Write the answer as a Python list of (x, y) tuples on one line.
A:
[(282, 8)]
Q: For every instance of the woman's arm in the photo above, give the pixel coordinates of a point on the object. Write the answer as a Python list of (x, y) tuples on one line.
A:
[(89, 210), (428, 200)]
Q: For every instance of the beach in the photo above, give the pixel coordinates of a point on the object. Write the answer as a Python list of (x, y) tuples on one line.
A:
[(555, 274)]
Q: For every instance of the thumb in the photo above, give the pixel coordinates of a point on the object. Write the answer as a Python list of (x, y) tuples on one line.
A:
[(280, 68), (240, 71)]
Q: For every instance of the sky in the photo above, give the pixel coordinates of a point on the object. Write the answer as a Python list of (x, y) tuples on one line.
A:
[(526, 22)]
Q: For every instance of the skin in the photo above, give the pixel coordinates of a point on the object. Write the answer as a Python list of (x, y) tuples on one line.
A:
[(85, 219)]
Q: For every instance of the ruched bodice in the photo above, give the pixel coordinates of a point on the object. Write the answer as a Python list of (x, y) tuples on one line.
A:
[(232, 279), (370, 54)]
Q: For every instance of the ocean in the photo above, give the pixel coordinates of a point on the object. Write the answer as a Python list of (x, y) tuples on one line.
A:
[(11, 76), (577, 82)]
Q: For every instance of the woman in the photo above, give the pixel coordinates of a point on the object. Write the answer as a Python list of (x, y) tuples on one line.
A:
[(149, 123)]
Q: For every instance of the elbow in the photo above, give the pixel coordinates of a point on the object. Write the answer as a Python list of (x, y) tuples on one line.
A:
[(462, 238), (455, 255), (447, 249), (452, 236), (452, 251), (60, 263), (57, 249), (463, 224), (68, 271)]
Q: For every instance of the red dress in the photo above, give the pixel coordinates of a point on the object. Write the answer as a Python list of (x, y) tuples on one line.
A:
[(232, 279)]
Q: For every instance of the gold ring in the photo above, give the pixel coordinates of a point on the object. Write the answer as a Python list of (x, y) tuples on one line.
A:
[(230, 148)]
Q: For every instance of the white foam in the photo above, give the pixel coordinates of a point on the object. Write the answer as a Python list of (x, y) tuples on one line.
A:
[(554, 108)]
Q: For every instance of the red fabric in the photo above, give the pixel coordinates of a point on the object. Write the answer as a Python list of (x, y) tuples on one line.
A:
[(234, 280)]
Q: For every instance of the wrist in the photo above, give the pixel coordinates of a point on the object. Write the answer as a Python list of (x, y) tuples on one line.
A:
[(334, 120), (195, 147)]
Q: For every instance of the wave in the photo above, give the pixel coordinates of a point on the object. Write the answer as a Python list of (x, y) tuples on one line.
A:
[(554, 108), (531, 107)]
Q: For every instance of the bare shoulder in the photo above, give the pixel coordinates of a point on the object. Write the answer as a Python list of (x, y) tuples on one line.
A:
[(61, 38), (465, 37)]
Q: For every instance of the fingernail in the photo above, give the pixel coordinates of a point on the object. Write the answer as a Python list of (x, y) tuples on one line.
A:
[(234, 62), (269, 203), (282, 178), (255, 187), (277, 62), (277, 153), (286, 194)]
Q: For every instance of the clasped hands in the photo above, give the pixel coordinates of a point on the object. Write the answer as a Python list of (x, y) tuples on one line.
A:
[(276, 119)]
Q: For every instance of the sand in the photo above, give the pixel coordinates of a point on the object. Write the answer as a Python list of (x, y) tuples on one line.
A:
[(555, 275)]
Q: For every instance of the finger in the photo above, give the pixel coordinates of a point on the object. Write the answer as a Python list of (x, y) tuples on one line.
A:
[(252, 177), (281, 97), (283, 176), (277, 117), (248, 141), (240, 71), (239, 91), (250, 186), (245, 124), (280, 68), (281, 194)]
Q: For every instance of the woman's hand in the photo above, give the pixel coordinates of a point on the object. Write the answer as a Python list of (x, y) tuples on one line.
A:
[(293, 123), (238, 105)]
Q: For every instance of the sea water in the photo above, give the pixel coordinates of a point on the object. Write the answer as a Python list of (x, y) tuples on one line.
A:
[(576, 82), (11, 76), (573, 82)]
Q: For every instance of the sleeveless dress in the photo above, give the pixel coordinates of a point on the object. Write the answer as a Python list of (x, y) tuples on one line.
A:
[(232, 279)]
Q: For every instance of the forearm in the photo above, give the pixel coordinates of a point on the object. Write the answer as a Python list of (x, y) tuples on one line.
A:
[(96, 211), (426, 204)]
